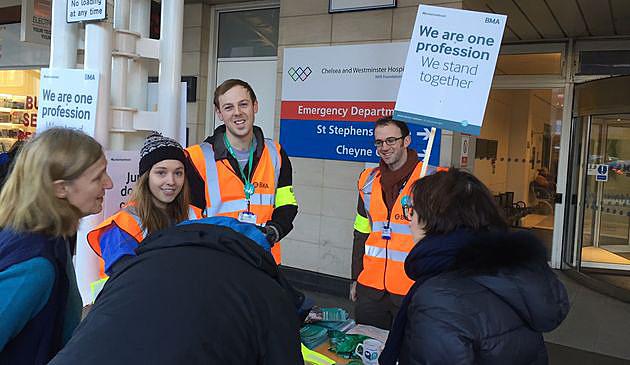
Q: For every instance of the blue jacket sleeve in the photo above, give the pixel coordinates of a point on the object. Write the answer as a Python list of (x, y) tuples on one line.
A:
[(116, 243), (24, 291)]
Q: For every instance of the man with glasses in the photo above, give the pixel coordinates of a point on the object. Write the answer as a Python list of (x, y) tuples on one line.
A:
[(382, 238)]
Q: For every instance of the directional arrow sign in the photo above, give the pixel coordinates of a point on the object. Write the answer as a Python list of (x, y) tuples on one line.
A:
[(424, 134)]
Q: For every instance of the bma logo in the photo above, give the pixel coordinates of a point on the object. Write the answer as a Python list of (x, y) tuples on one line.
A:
[(300, 73), (492, 20), (90, 77), (262, 185)]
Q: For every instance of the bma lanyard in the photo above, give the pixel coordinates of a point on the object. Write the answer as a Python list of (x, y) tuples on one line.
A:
[(249, 187)]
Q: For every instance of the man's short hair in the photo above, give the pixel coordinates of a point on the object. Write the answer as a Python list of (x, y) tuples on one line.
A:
[(227, 85), (404, 130)]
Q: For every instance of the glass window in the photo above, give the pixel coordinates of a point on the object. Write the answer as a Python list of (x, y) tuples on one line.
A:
[(604, 63), (529, 64), (252, 33), (18, 106), (519, 152)]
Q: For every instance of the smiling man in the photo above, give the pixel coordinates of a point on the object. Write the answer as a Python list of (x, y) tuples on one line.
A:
[(382, 238), (246, 175)]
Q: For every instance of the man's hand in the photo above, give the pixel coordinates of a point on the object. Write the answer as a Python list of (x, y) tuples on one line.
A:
[(353, 291)]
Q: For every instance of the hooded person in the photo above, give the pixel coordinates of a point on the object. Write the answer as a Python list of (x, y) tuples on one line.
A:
[(160, 198), (202, 292)]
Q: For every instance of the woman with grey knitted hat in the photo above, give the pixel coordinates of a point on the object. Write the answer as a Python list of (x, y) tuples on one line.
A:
[(160, 198)]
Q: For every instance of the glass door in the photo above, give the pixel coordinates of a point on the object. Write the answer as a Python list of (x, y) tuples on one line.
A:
[(604, 230)]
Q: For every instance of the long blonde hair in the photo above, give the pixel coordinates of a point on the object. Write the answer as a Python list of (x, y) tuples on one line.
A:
[(153, 218), (28, 199)]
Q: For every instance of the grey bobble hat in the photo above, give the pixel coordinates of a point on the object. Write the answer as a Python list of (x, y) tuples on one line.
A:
[(158, 148)]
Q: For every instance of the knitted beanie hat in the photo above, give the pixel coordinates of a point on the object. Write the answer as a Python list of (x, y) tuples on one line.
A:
[(158, 148)]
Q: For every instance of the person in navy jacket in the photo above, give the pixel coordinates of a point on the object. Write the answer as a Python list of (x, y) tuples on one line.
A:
[(482, 295), (57, 178)]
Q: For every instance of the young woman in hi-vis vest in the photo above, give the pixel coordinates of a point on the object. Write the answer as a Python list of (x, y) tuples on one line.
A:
[(160, 198)]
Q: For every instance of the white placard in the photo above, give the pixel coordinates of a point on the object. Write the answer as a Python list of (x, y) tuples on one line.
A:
[(68, 98), (122, 167), (449, 68), (86, 10)]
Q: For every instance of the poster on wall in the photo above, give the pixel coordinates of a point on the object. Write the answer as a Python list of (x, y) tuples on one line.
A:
[(331, 97), (122, 167), (35, 21), (449, 68), (68, 98)]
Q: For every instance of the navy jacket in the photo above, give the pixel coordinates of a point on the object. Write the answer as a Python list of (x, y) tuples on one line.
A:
[(195, 293), (42, 336), (489, 307)]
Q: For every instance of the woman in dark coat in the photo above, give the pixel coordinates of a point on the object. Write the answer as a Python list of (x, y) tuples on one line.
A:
[(482, 295)]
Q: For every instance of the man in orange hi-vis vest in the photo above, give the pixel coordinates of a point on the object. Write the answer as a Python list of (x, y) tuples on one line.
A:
[(246, 176), (382, 238)]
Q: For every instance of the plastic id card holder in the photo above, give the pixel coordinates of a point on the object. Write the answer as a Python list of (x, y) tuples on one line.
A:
[(247, 217), (386, 233)]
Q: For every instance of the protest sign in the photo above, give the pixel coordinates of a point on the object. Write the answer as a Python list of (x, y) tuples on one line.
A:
[(122, 167), (68, 98), (449, 68)]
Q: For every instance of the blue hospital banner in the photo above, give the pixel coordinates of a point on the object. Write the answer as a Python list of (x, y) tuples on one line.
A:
[(331, 97)]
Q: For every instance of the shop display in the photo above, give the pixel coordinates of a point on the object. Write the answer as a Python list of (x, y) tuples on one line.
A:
[(18, 119)]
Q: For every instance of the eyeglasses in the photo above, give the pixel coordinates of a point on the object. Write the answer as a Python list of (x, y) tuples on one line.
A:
[(407, 208), (389, 141)]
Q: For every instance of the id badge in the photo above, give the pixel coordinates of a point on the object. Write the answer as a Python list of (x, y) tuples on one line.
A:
[(386, 233), (247, 217)]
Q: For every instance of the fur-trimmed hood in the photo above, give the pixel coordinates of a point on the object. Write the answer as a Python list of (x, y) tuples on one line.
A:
[(512, 266)]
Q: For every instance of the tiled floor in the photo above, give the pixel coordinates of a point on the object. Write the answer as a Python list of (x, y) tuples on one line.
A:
[(596, 331)]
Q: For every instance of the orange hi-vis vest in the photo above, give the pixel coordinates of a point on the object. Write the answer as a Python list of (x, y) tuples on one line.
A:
[(225, 195), (384, 259), (127, 220)]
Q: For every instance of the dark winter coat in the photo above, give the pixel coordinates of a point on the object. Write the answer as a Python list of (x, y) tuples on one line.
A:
[(489, 307), (195, 294)]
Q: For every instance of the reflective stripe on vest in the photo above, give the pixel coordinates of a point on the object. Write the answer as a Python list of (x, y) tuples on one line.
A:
[(395, 227), (367, 190), (382, 253)]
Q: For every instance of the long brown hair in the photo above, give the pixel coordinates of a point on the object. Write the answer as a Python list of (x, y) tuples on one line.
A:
[(153, 218)]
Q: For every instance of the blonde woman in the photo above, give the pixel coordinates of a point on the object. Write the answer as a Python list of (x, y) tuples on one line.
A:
[(58, 178), (161, 198)]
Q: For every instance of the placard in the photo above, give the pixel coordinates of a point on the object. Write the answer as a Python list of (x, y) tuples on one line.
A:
[(122, 167), (449, 68), (68, 98), (331, 97)]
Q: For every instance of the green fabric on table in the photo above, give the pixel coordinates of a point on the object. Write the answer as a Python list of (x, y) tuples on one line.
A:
[(343, 344)]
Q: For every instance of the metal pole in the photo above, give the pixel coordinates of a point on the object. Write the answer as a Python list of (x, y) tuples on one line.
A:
[(64, 38), (171, 34)]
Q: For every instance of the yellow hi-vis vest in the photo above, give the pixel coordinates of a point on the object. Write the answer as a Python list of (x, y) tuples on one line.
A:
[(384, 259), (224, 188)]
